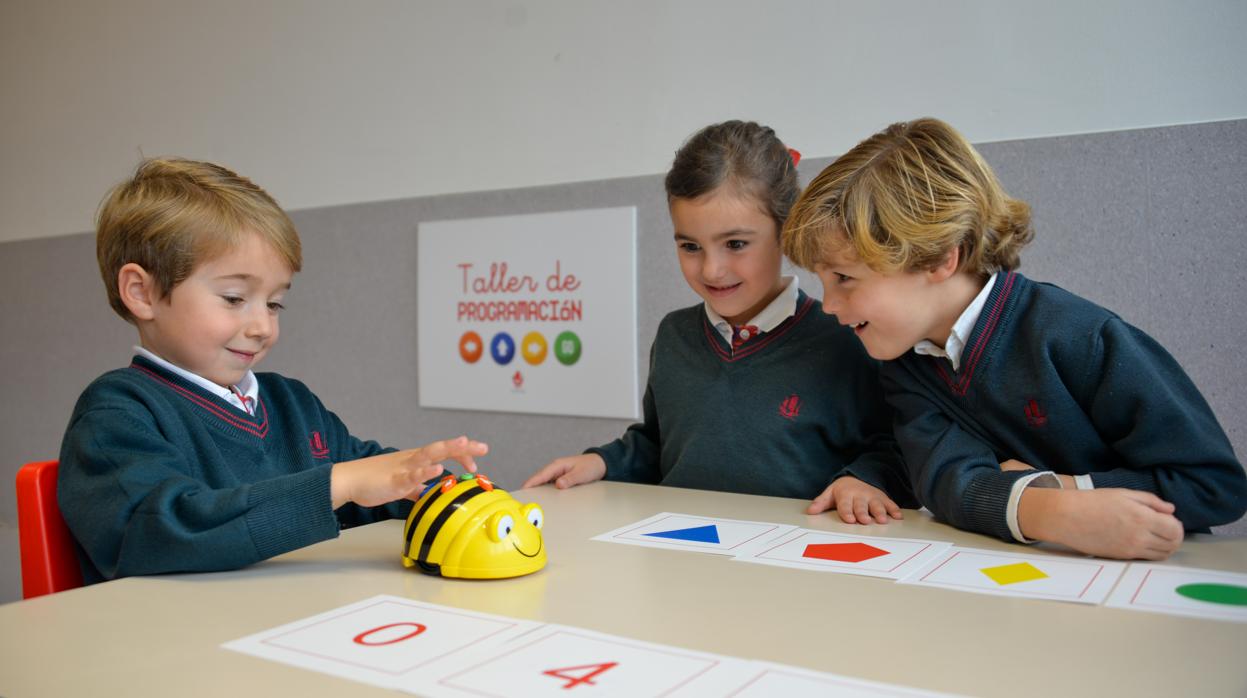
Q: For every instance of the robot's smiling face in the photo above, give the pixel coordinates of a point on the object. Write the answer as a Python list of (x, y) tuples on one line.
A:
[(466, 527), (519, 525)]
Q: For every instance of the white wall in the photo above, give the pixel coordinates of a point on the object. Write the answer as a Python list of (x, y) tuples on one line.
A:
[(334, 102)]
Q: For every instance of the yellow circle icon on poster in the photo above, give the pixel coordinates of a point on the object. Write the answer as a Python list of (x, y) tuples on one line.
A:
[(533, 348)]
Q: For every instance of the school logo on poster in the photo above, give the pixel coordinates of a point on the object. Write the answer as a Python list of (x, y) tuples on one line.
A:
[(532, 313)]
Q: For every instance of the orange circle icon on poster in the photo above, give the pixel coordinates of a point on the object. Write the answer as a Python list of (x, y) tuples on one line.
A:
[(533, 348), (470, 347)]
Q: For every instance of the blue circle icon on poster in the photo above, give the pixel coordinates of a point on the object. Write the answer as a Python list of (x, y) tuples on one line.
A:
[(502, 348)]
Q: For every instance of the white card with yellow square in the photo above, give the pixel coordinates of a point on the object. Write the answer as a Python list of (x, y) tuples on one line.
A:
[(1076, 579)]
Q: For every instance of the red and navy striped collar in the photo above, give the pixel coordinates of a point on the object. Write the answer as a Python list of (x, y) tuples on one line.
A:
[(984, 329), (761, 341), (256, 425)]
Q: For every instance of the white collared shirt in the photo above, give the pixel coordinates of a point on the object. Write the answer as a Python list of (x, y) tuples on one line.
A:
[(783, 307), (960, 333), (247, 388)]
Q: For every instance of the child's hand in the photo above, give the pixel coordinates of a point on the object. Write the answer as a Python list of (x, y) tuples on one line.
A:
[(1110, 522), (856, 501), (377, 480), (569, 471)]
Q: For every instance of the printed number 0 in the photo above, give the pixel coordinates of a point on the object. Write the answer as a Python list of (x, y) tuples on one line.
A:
[(418, 628), (574, 681)]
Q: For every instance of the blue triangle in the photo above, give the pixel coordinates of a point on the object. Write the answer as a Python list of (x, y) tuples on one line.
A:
[(701, 534)]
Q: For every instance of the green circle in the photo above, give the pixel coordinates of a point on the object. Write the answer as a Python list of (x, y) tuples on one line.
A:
[(567, 348), (1227, 594)]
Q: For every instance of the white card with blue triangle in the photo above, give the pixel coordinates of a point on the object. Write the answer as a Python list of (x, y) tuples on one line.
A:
[(705, 534)]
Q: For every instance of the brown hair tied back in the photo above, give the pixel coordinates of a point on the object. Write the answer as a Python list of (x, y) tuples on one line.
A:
[(742, 154)]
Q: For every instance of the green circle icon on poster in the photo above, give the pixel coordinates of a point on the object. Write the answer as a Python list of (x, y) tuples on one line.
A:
[(567, 348)]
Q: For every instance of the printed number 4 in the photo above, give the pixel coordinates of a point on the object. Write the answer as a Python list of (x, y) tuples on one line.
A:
[(574, 681)]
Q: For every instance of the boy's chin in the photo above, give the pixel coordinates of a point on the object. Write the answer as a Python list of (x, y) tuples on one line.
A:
[(227, 380), (882, 353)]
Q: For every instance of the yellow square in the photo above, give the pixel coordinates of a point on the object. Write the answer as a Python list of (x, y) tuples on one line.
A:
[(1012, 574)]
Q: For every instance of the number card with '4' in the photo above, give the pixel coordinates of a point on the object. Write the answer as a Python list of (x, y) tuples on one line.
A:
[(564, 661), (442, 652), (432, 650)]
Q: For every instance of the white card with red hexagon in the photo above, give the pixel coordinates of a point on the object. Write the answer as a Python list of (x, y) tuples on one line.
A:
[(824, 551)]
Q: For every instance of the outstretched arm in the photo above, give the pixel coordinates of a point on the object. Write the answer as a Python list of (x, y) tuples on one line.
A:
[(635, 456), (137, 505)]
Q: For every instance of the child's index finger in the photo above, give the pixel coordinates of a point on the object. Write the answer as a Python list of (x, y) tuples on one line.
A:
[(441, 450)]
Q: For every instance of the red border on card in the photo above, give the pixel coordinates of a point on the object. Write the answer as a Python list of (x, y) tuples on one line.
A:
[(1142, 583), (1189, 612), (704, 518), (448, 611), (833, 681), (712, 663), (1084, 591)]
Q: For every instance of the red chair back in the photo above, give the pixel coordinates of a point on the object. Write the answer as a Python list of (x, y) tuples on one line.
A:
[(49, 563)]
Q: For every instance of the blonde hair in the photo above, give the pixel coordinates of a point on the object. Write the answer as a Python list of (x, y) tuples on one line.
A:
[(904, 199), (174, 214)]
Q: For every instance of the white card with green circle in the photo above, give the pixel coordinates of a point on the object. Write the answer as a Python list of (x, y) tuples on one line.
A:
[(1182, 591)]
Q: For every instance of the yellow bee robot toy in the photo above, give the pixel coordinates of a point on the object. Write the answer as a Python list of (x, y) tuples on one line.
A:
[(466, 527)]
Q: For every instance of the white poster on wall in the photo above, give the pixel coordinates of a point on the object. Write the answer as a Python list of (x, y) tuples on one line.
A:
[(532, 313)]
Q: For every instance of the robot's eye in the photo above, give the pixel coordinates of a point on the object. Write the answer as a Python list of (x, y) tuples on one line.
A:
[(502, 526), (533, 513)]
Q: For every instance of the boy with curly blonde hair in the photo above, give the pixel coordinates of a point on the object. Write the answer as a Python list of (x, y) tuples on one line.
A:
[(1022, 410)]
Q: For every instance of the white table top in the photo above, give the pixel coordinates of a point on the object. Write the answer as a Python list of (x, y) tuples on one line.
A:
[(161, 636)]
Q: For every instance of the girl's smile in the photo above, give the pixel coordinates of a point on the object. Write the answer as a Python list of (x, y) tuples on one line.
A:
[(728, 248)]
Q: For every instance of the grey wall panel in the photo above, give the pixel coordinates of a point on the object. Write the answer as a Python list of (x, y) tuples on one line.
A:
[(1153, 225), (57, 332), (1149, 223)]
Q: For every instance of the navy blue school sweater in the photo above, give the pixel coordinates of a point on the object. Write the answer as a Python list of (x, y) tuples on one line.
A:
[(1062, 384), (783, 414), (158, 475)]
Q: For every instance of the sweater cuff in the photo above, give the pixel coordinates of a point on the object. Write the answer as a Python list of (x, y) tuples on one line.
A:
[(872, 474), (866, 475), (885, 474), (1043, 478), (291, 512), (1142, 480), (985, 502), (610, 454)]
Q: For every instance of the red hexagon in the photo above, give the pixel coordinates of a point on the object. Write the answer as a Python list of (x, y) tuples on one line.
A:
[(843, 552)]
